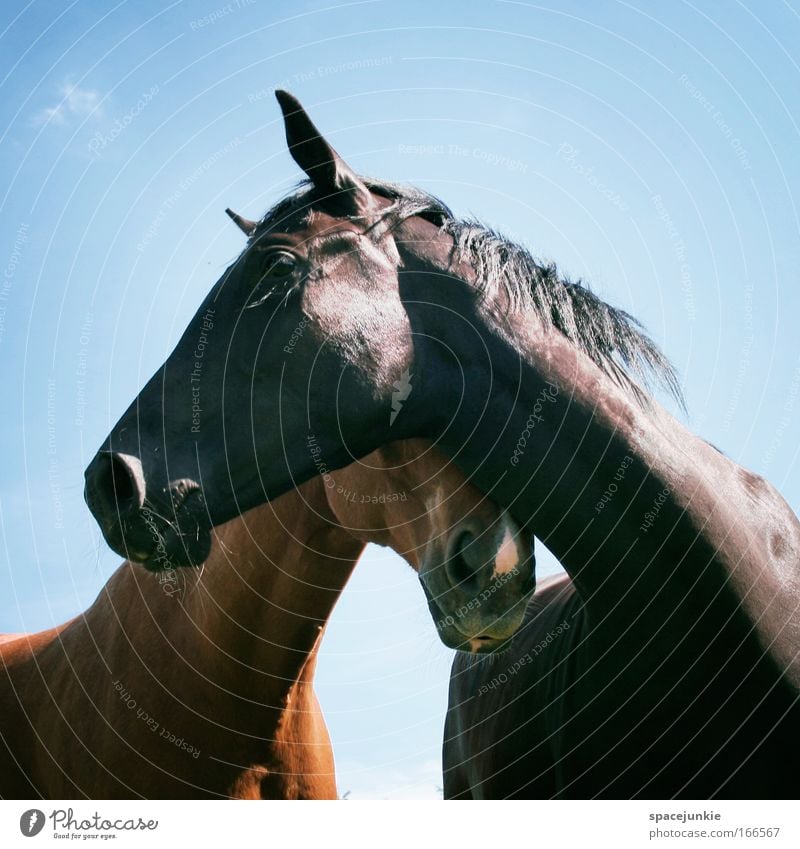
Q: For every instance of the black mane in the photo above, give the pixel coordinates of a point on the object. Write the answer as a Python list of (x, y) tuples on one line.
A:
[(614, 340)]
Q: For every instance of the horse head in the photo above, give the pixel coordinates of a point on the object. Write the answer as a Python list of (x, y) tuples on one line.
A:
[(301, 330), (475, 564)]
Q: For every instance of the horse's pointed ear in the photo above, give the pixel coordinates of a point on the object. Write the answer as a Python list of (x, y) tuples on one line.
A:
[(244, 224), (329, 173)]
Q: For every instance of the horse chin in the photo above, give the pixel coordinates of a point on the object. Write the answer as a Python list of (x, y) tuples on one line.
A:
[(461, 626), (160, 547), (178, 550), (483, 644)]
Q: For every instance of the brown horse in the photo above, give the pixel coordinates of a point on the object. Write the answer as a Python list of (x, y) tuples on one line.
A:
[(176, 686)]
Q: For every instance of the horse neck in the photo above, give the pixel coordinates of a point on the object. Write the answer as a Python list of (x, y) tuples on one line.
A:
[(263, 602), (249, 623), (644, 516)]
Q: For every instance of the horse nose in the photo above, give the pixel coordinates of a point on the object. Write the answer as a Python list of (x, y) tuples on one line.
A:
[(467, 560), (115, 485)]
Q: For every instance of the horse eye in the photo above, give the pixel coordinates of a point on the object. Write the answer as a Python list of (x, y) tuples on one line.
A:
[(276, 267), (279, 265)]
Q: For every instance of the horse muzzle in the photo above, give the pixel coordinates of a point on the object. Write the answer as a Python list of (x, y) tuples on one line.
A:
[(477, 595), (161, 531)]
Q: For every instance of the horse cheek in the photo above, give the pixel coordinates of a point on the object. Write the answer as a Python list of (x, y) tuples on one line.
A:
[(364, 329)]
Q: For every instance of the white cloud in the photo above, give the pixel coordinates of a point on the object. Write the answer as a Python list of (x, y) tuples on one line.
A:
[(75, 102)]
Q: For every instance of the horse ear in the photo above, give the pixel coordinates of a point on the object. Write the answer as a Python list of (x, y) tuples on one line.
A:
[(329, 173), (247, 226)]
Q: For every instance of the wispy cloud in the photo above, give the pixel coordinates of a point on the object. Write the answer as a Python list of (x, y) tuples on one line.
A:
[(75, 102)]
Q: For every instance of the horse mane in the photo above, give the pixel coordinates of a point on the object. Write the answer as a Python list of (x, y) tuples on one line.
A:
[(613, 339)]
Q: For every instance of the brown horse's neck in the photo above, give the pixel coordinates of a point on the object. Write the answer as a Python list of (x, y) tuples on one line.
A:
[(189, 682), (231, 650), (261, 605), (645, 516)]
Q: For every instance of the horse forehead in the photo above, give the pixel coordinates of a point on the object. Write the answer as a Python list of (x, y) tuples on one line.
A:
[(299, 226), (353, 247), (324, 237)]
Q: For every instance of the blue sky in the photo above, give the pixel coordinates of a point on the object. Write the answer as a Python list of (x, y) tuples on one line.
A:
[(649, 148)]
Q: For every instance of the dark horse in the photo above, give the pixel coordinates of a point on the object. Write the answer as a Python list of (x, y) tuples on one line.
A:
[(361, 312)]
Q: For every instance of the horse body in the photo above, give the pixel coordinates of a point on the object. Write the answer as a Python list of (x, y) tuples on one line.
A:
[(577, 711)]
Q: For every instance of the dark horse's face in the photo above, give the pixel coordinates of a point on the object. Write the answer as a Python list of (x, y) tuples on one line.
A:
[(298, 361), (327, 338)]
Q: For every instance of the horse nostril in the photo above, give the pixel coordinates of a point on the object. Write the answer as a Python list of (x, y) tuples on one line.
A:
[(464, 559), (116, 482)]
